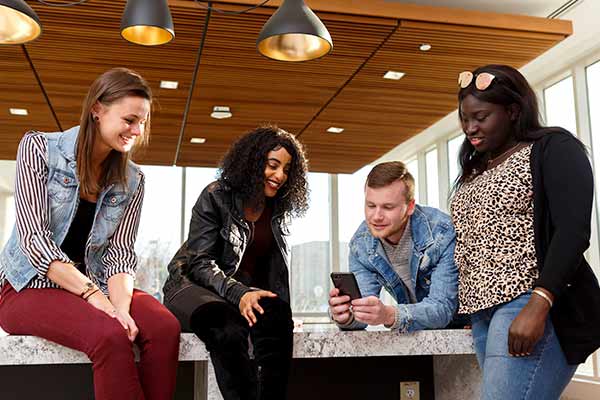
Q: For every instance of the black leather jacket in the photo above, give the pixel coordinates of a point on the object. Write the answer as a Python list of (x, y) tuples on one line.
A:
[(216, 243)]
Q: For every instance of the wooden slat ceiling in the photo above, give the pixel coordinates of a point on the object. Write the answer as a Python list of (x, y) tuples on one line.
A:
[(343, 89)]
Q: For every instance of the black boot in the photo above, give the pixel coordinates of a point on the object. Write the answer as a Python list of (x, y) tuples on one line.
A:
[(225, 334), (272, 337)]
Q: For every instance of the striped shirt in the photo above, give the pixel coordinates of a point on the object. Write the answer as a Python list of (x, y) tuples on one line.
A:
[(33, 225)]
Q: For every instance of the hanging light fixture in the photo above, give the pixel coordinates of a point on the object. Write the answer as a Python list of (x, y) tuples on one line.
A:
[(18, 22), (294, 33), (147, 22)]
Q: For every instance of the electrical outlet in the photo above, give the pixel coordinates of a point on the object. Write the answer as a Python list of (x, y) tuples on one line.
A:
[(409, 390)]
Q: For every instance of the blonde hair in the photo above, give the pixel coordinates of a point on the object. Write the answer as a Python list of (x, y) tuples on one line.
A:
[(113, 85), (386, 173)]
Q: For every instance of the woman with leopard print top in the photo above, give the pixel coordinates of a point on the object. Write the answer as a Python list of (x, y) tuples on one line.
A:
[(522, 210)]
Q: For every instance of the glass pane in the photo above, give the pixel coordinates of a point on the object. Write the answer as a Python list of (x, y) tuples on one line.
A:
[(160, 227), (309, 242), (196, 179), (593, 83), (413, 168), (560, 105), (7, 199), (586, 368), (433, 187), (351, 212), (453, 164)]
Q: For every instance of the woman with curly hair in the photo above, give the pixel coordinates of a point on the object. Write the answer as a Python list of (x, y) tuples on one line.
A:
[(229, 280)]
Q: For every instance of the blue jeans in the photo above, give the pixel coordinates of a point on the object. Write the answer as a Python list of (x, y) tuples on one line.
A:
[(543, 375)]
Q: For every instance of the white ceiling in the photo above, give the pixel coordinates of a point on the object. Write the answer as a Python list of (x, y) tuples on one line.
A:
[(537, 8)]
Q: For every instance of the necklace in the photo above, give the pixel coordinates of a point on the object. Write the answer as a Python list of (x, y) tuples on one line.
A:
[(491, 160)]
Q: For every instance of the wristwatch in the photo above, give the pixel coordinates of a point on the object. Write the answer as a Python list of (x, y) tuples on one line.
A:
[(89, 286)]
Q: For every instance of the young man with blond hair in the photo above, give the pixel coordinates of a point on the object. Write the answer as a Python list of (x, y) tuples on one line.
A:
[(405, 249)]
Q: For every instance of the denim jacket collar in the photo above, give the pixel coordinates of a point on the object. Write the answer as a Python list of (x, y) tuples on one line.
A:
[(421, 229), (67, 143)]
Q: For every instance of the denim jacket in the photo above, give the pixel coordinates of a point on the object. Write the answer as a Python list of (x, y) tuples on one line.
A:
[(434, 274), (63, 200)]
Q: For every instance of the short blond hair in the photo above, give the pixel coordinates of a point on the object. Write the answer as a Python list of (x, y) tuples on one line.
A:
[(384, 174)]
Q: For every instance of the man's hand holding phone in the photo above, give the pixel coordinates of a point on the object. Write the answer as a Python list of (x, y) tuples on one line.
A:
[(346, 289), (339, 306)]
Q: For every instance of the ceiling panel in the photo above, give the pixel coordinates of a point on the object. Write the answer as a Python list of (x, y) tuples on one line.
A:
[(342, 89), (19, 89), (260, 90), (375, 111)]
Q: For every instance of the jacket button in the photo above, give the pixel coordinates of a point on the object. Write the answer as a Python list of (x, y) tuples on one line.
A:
[(113, 200), (66, 180)]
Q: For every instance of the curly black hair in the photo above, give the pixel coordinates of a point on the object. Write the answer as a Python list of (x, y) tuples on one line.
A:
[(243, 169)]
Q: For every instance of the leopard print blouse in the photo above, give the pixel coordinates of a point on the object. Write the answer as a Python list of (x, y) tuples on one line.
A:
[(495, 250)]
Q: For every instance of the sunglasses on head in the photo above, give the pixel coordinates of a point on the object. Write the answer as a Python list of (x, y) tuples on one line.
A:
[(482, 81)]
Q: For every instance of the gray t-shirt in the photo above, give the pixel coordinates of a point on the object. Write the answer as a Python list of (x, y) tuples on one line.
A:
[(399, 256)]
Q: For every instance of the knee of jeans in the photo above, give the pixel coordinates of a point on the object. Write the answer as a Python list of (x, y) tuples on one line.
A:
[(111, 337), (278, 314), (220, 328), (165, 329), (229, 338)]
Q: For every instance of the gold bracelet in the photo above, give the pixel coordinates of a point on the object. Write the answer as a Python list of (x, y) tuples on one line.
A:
[(544, 296)]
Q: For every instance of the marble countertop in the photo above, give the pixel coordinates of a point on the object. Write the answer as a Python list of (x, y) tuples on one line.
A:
[(310, 341)]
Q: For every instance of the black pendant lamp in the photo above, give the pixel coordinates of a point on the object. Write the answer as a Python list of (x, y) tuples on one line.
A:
[(147, 22), (18, 22), (294, 33)]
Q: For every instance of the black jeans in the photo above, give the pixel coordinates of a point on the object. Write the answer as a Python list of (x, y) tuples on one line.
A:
[(225, 333)]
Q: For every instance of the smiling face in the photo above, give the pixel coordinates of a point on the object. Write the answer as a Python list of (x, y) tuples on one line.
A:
[(488, 126), (387, 211), (120, 123), (277, 170)]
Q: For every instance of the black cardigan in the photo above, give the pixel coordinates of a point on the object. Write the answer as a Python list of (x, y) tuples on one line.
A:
[(563, 188)]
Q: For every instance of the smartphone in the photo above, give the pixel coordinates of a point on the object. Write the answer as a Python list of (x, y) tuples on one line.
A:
[(346, 283)]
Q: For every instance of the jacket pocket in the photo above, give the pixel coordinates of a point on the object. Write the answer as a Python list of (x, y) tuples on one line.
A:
[(62, 187), (113, 206)]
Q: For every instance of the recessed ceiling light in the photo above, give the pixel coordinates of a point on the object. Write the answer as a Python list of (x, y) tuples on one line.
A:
[(395, 75), (221, 112), (169, 84), (198, 140), (425, 47), (333, 129), (18, 111)]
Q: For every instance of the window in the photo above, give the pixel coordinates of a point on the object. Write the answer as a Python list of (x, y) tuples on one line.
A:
[(560, 105), (159, 234), (454, 145), (413, 168), (593, 86), (309, 243), (196, 179), (351, 210), (7, 199), (433, 187)]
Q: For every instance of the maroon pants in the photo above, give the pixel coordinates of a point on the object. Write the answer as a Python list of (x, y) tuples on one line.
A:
[(66, 319)]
